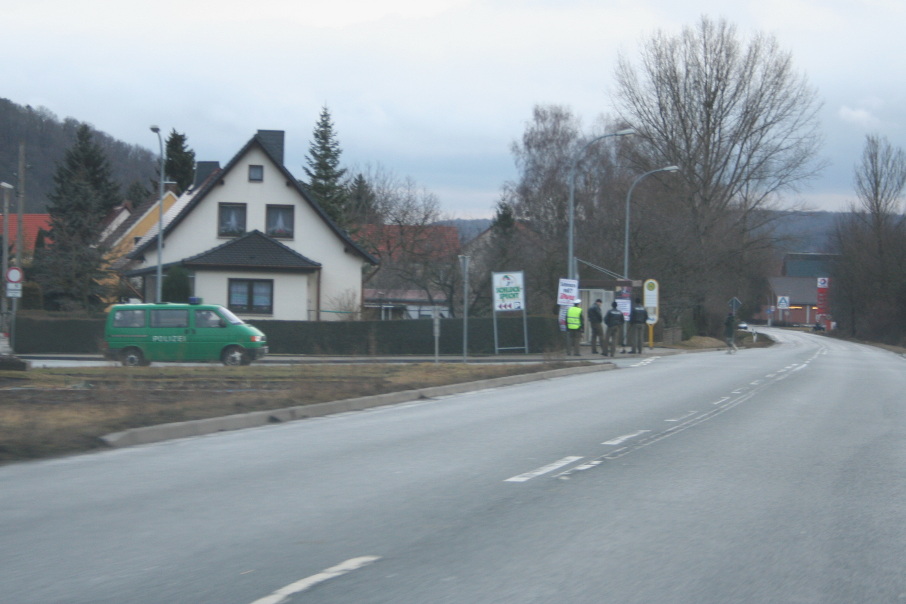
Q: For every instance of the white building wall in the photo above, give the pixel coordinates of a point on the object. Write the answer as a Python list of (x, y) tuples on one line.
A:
[(291, 292), (341, 272)]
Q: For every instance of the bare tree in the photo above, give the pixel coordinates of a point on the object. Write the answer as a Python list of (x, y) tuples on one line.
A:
[(741, 124), (538, 200), (414, 251), (868, 281)]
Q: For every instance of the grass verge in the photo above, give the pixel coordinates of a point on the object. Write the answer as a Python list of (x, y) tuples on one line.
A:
[(51, 412)]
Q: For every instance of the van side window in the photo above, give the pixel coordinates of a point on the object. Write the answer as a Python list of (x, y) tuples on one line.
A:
[(206, 318), (171, 317), (129, 318)]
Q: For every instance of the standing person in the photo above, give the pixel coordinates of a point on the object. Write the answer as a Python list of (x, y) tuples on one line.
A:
[(595, 318), (730, 333), (574, 325), (637, 320), (614, 320)]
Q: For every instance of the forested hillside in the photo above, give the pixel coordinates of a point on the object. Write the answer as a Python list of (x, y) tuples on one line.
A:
[(47, 138)]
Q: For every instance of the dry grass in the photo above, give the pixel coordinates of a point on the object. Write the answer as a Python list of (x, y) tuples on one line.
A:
[(49, 412)]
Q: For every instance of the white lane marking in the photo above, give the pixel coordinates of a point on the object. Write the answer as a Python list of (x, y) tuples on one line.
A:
[(621, 439), (681, 418), (543, 470), (723, 400), (334, 571)]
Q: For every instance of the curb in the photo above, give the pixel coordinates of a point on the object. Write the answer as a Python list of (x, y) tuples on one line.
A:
[(200, 427)]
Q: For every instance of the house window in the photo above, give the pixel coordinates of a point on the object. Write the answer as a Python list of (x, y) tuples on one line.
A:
[(251, 296), (256, 173), (231, 221), (280, 221)]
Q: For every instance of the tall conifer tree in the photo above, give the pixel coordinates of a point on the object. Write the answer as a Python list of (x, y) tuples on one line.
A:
[(323, 169), (70, 268), (180, 162)]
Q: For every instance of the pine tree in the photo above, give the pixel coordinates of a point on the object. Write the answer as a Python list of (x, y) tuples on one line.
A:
[(180, 162), (362, 206), (86, 161), (70, 269), (323, 171)]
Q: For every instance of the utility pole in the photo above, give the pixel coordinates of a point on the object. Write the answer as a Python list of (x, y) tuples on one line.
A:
[(20, 195)]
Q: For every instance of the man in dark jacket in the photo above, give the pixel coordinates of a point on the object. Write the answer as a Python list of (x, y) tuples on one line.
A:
[(638, 318), (595, 318), (614, 320)]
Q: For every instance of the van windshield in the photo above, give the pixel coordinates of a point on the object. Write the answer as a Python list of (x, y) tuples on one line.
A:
[(229, 316)]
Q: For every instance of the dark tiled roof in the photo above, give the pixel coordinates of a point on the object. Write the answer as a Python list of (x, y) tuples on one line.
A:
[(265, 143), (254, 250)]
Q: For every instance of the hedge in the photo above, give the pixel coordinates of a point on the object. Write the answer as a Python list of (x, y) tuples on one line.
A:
[(84, 335)]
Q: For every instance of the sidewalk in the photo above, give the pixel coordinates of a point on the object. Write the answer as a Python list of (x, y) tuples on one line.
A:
[(559, 357)]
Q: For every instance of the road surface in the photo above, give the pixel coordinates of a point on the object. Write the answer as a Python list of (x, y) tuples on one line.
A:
[(771, 475)]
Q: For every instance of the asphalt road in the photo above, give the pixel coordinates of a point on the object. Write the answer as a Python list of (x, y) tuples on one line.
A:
[(771, 475)]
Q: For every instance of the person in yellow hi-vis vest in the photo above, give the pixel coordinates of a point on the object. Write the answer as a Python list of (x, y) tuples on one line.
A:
[(574, 324)]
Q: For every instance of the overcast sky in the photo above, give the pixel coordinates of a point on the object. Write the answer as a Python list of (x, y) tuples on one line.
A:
[(435, 90)]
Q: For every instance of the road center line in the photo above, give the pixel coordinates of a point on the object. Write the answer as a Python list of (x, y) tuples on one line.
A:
[(543, 470), (679, 419), (334, 571), (619, 440)]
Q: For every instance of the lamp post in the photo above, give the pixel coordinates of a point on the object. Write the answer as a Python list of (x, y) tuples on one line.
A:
[(571, 271), (3, 309), (160, 217), (628, 197)]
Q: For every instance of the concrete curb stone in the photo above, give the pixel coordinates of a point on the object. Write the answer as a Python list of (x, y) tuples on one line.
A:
[(199, 427)]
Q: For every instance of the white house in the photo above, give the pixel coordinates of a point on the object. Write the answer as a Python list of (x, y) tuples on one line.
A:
[(254, 240)]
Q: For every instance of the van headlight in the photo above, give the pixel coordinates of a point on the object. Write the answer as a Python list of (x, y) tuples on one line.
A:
[(259, 339)]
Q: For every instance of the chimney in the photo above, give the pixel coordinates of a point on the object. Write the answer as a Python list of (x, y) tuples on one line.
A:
[(272, 140), (203, 171)]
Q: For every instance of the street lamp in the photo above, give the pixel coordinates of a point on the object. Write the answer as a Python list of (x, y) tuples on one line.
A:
[(6, 189), (160, 217), (570, 256), (628, 197)]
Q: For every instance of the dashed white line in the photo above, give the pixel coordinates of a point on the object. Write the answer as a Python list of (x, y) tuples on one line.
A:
[(334, 571), (681, 418), (621, 439), (543, 470)]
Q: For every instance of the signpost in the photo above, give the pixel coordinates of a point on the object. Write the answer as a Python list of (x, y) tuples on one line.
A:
[(509, 295), (651, 294), (823, 310)]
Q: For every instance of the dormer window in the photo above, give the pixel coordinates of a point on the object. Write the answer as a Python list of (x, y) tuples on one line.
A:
[(280, 221), (231, 221), (256, 173)]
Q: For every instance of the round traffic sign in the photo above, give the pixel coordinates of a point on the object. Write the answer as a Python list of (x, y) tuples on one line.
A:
[(14, 274)]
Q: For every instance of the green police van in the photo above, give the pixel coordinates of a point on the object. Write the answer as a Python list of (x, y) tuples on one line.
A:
[(136, 334)]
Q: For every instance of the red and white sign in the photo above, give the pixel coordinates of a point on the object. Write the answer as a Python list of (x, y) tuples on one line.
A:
[(568, 292), (14, 274), (823, 283)]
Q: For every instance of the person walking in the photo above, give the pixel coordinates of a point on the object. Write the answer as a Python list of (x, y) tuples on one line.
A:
[(574, 325), (638, 318), (596, 320), (614, 320), (730, 333)]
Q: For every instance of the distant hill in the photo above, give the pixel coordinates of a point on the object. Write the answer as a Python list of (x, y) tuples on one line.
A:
[(469, 228), (806, 231), (47, 139)]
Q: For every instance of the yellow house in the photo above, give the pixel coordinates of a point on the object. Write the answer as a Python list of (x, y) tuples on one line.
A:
[(125, 227)]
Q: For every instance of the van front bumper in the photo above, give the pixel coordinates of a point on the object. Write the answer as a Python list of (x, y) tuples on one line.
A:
[(257, 353)]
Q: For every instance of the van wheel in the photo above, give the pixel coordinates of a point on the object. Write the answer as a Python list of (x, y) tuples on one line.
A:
[(133, 357), (234, 356)]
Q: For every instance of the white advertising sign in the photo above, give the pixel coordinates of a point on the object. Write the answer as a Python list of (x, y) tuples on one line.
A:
[(568, 292), (509, 292)]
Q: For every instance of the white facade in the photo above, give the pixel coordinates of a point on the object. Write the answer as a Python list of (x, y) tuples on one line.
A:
[(312, 292)]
